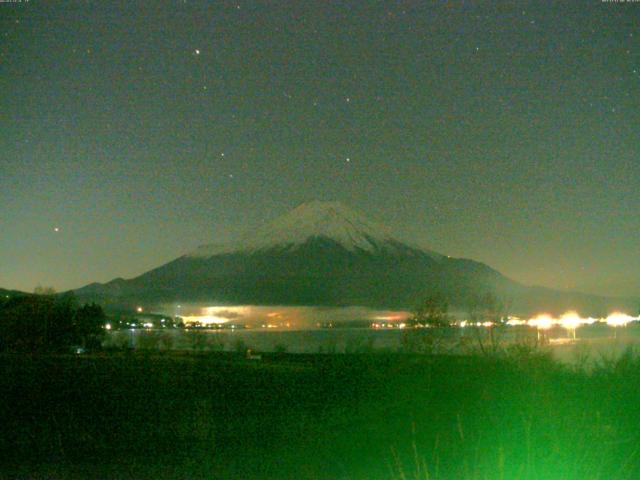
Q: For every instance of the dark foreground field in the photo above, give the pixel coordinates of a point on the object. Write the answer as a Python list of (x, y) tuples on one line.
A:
[(317, 417)]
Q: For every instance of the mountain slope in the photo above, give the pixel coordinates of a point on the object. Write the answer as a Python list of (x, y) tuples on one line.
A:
[(11, 293), (330, 220), (323, 253)]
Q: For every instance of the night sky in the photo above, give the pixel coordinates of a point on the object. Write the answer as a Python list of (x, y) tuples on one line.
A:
[(132, 132)]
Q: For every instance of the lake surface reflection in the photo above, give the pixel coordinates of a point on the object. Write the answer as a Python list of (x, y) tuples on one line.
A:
[(593, 341)]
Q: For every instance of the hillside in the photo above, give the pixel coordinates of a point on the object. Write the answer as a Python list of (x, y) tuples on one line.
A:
[(323, 253)]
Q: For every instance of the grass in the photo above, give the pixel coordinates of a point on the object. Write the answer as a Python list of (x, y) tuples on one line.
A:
[(514, 415)]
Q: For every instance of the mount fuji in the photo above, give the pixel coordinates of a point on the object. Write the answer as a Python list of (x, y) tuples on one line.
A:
[(324, 254), (330, 221)]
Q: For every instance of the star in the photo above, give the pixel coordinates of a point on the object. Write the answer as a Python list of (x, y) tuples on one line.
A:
[(56, 229)]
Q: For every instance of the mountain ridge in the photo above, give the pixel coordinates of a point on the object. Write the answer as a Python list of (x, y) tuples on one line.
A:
[(314, 219), (324, 254)]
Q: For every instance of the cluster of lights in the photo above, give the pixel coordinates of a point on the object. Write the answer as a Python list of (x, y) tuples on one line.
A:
[(217, 316), (571, 321), (620, 319), (204, 320), (379, 325), (276, 325), (467, 323), (214, 316)]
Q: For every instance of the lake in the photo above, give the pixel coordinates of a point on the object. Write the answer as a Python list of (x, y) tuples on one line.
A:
[(594, 341)]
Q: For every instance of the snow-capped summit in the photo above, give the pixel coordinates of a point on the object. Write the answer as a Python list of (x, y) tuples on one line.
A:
[(325, 254), (312, 220)]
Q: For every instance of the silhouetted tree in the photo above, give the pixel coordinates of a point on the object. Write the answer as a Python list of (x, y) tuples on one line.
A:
[(487, 308), (432, 312), (45, 291), (89, 325), (45, 323)]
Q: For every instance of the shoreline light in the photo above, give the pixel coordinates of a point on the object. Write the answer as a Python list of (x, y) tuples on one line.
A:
[(541, 322), (515, 322), (619, 319), (570, 321), (204, 319)]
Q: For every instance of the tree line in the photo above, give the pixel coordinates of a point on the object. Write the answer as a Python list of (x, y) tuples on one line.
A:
[(46, 322), (481, 307)]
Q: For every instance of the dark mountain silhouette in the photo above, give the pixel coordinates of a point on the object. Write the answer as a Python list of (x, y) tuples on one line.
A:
[(323, 253)]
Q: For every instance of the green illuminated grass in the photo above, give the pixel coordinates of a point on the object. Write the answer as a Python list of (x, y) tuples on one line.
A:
[(361, 416)]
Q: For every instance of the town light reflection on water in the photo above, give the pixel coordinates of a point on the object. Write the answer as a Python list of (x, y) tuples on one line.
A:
[(276, 316), (310, 317)]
